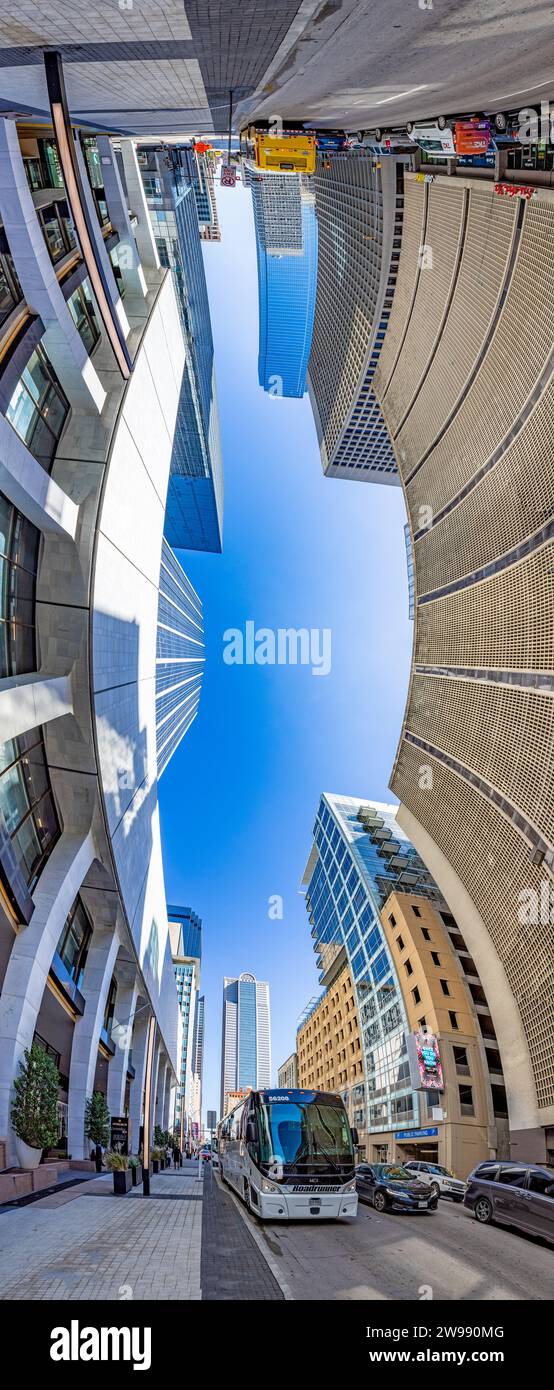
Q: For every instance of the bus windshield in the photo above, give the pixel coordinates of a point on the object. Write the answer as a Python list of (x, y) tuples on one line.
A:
[(305, 1133)]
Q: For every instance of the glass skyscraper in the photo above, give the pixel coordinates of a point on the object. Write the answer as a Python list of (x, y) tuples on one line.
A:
[(179, 657), (194, 510), (286, 247), (246, 1040), (359, 856), (185, 930)]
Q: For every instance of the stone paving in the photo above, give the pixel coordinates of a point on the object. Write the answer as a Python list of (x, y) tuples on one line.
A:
[(85, 1243), (233, 1266)]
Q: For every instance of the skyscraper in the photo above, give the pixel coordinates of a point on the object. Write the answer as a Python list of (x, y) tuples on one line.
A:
[(246, 1036), (359, 210), (286, 248), (194, 510), (185, 931), (360, 868), (179, 656), (474, 765)]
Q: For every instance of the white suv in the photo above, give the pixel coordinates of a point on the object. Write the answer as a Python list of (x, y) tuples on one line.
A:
[(439, 1179)]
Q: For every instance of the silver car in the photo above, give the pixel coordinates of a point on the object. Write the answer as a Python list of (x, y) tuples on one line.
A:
[(439, 1179)]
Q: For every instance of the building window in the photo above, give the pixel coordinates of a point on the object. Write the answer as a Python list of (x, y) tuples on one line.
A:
[(444, 986), (466, 1100), (10, 288), (380, 1153), (416, 910), (110, 1006), (39, 408), (416, 995), (453, 1019), (81, 308), (74, 942), (408, 967), (461, 1061), (425, 933), (19, 549), (435, 958), (392, 920), (57, 229), (400, 943), (27, 803)]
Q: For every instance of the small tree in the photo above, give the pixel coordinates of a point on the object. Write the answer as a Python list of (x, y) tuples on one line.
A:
[(35, 1108), (97, 1124)]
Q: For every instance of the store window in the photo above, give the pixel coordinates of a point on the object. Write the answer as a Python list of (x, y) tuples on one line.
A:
[(39, 408), (27, 803), (81, 308), (19, 549), (74, 942)]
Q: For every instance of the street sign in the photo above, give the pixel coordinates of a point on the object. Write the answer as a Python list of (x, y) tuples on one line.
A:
[(428, 1133), (228, 176)]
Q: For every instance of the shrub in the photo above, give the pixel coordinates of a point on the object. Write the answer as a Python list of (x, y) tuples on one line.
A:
[(116, 1161), (97, 1119), (35, 1108)]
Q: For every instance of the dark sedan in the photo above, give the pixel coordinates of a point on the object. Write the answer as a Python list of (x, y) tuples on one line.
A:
[(515, 1194), (393, 1188)]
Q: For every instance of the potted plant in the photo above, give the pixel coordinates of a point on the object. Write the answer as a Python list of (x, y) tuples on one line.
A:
[(97, 1125), (118, 1165), (35, 1108), (135, 1170), (155, 1160)]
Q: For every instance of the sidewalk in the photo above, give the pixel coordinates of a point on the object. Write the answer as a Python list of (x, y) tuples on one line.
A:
[(85, 1243), (188, 1240)]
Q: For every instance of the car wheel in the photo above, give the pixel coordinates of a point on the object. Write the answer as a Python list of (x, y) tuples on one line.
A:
[(360, 136), (441, 122), (433, 1204), (435, 1190), (409, 127), (483, 1210), (379, 1201), (246, 1193), (457, 1200), (500, 121), (378, 135)]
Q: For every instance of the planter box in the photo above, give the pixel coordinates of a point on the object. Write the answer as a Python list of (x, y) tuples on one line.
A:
[(122, 1181), (155, 1165), (136, 1175), (162, 1165)]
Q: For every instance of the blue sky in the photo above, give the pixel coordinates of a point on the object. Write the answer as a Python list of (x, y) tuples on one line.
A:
[(239, 797)]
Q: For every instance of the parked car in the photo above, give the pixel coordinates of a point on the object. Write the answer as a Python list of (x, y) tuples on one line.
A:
[(440, 1180), (329, 139), (515, 1194), (205, 1153), (444, 139), (391, 1187)]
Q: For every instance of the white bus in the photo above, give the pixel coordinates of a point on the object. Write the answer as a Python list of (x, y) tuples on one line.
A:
[(290, 1154)]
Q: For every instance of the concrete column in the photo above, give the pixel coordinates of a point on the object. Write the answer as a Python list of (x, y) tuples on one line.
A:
[(144, 235), (166, 1097), (116, 198), (38, 278), (27, 701), (99, 243), (122, 1032), (31, 490), (99, 969), (157, 1088), (139, 1040), (31, 958)]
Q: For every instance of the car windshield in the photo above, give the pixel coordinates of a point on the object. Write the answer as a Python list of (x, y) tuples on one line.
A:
[(393, 1170), (304, 1132)]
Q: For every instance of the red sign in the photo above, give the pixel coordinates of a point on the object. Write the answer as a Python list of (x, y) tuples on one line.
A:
[(228, 176)]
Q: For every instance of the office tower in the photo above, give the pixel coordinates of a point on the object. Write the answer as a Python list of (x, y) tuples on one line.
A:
[(287, 1075), (382, 985), (194, 511), (286, 250), (246, 1036), (85, 961), (199, 160), (474, 765), (179, 656), (185, 931), (359, 210)]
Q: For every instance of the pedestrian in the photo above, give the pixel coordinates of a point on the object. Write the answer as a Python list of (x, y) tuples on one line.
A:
[(176, 1156)]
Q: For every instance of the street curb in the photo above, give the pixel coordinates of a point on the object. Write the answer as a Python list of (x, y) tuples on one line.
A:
[(250, 1222)]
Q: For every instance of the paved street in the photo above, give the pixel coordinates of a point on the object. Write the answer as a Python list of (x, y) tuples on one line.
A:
[(194, 1240), (406, 1257), (351, 63)]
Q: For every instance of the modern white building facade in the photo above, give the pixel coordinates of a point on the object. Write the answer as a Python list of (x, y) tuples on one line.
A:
[(87, 420)]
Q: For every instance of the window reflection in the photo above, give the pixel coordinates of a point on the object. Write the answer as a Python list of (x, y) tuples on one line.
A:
[(27, 803)]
